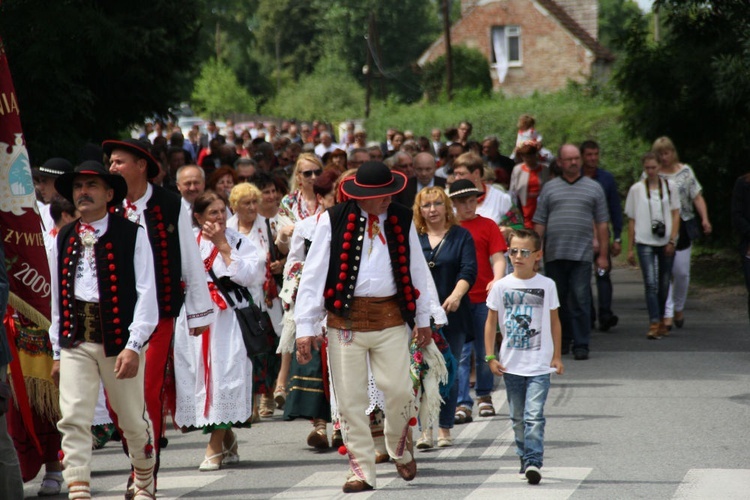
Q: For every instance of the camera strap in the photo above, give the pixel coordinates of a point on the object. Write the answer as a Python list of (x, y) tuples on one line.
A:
[(661, 199)]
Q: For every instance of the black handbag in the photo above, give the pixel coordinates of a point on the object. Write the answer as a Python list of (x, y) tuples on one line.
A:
[(254, 323)]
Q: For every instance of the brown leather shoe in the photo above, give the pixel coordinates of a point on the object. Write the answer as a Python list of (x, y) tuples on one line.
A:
[(407, 471), (381, 458), (356, 486)]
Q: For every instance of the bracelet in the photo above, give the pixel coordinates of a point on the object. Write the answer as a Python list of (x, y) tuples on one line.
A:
[(489, 358)]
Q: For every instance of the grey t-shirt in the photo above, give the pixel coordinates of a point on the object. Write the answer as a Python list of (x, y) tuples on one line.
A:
[(569, 210)]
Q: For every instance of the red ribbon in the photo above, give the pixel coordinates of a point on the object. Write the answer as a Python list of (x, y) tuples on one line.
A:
[(373, 219), (19, 386), (83, 227), (206, 347), (216, 296)]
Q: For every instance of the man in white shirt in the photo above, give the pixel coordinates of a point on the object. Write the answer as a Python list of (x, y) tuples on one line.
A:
[(326, 144), (176, 260), (191, 182), (369, 312), (103, 313)]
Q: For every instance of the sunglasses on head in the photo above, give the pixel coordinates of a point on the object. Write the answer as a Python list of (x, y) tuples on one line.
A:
[(310, 173), (525, 252)]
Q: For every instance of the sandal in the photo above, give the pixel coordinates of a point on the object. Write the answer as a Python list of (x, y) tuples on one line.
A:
[(51, 484), (207, 464), (318, 438), (231, 454), (425, 441), (279, 396), (267, 406), (463, 415), (485, 406)]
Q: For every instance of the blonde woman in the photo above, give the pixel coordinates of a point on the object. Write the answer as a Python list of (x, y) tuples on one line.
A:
[(301, 202), (691, 202)]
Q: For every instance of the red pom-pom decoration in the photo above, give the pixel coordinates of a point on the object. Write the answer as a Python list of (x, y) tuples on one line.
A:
[(405, 280), (340, 287), (337, 304), (350, 226), (329, 293), (400, 238), (346, 245), (413, 421), (407, 289), (342, 450), (402, 249), (60, 455), (108, 246), (397, 229), (410, 306), (417, 293), (344, 256), (344, 266), (342, 276), (352, 217), (402, 259), (393, 219), (403, 269), (347, 236)]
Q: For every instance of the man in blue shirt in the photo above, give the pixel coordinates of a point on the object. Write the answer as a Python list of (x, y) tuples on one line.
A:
[(590, 157)]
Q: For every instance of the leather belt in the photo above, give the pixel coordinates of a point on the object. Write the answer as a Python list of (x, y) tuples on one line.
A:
[(369, 314), (89, 327)]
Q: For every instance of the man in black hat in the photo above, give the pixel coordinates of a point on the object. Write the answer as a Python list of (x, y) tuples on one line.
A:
[(176, 259), (103, 313), (44, 182), (369, 251)]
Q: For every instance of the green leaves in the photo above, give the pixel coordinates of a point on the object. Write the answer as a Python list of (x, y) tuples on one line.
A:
[(217, 92)]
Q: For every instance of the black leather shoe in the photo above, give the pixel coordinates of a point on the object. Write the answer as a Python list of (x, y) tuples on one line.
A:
[(581, 355)]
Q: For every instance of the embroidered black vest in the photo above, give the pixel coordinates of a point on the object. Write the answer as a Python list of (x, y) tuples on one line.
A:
[(114, 253), (348, 230), (161, 215)]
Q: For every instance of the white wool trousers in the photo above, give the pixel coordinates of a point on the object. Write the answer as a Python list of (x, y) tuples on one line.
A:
[(389, 361), (81, 369)]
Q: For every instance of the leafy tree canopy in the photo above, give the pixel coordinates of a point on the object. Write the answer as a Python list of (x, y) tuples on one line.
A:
[(85, 71), (615, 16), (217, 92), (470, 71), (694, 86)]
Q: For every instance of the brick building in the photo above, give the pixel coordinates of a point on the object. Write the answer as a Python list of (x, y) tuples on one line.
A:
[(531, 45)]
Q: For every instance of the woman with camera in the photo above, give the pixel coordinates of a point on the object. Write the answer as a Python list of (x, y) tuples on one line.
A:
[(653, 207)]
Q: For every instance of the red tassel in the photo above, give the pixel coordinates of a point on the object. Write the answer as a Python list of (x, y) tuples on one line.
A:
[(60, 455), (342, 450), (413, 421)]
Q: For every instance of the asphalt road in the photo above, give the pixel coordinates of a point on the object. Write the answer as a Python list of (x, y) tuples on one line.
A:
[(665, 419)]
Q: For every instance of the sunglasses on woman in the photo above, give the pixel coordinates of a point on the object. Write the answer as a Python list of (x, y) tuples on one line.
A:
[(310, 173)]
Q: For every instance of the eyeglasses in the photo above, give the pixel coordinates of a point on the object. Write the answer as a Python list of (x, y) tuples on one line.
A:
[(310, 173), (435, 204), (525, 252)]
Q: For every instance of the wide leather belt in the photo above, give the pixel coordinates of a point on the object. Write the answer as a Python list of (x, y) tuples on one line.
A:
[(89, 327), (369, 314)]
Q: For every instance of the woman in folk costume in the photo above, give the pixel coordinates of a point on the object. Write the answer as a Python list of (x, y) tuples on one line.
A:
[(213, 372), (308, 393)]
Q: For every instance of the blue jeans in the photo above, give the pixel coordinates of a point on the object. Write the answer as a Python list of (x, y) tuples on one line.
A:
[(446, 420), (656, 268), (573, 281), (526, 398), (485, 378)]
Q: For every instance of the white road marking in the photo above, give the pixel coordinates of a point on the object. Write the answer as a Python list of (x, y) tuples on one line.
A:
[(727, 484), (558, 483), (328, 485), (170, 486)]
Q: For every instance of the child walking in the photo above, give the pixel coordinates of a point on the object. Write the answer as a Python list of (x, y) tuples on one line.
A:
[(531, 345)]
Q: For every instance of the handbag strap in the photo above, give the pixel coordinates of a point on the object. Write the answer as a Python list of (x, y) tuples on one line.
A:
[(227, 295)]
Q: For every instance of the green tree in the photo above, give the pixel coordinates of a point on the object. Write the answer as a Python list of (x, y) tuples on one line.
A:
[(85, 71), (470, 71), (694, 86), (615, 18), (217, 92)]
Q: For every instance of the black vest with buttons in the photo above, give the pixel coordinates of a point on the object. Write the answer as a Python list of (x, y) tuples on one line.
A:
[(348, 231), (115, 276), (161, 216)]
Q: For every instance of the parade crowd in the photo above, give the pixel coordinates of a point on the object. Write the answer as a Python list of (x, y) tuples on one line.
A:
[(204, 280)]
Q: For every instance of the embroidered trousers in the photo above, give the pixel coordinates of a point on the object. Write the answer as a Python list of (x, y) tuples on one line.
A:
[(81, 368), (389, 361)]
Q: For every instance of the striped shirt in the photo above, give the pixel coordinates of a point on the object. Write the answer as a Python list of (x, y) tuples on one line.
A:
[(568, 210)]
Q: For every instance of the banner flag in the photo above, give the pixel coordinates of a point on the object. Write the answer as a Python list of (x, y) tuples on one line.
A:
[(20, 223)]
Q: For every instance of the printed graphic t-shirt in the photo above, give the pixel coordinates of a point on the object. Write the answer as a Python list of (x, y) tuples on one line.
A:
[(523, 308)]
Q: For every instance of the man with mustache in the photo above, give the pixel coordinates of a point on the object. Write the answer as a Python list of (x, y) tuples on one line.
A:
[(103, 313)]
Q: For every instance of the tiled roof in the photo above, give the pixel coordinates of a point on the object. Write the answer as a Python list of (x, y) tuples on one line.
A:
[(571, 25)]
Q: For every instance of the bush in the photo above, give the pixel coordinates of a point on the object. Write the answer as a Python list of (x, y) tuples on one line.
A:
[(217, 92), (470, 71), (325, 96), (572, 115)]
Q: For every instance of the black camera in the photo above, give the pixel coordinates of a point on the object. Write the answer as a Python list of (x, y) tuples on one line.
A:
[(658, 228)]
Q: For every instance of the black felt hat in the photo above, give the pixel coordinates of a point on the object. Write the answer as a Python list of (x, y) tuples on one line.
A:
[(373, 180), (54, 168), (64, 183), (139, 148), (463, 188)]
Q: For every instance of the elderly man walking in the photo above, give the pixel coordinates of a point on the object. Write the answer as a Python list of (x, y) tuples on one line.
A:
[(570, 209), (368, 250)]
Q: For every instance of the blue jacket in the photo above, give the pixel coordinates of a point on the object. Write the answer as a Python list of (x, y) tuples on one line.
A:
[(607, 181)]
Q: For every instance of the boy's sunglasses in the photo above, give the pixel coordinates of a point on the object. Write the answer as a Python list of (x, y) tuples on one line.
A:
[(525, 252)]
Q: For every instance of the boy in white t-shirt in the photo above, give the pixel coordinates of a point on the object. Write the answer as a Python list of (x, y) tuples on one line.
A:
[(531, 345)]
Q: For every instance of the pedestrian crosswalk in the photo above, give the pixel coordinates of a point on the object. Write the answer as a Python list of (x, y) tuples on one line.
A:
[(171, 486), (727, 484)]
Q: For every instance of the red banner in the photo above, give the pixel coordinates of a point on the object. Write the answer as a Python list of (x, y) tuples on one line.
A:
[(20, 224)]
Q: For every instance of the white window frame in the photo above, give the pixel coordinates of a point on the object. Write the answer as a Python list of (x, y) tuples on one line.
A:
[(508, 32)]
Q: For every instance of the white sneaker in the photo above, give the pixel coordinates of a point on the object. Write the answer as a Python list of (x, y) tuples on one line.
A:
[(532, 474)]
